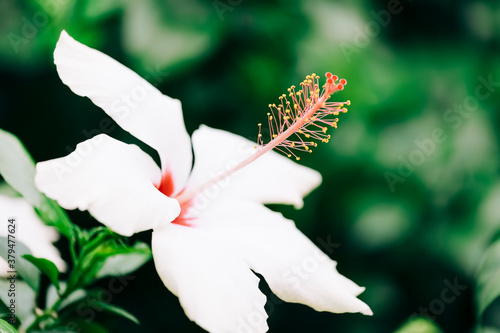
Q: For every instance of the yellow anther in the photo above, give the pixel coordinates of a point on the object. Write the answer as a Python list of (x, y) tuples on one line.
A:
[(259, 124), (306, 120), (299, 92), (324, 129), (270, 105), (289, 155), (295, 106), (275, 135), (341, 105), (287, 110), (268, 114), (289, 89), (348, 102), (270, 117), (297, 158), (260, 135), (328, 137), (313, 75), (299, 131), (306, 147), (293, 144), (307, 135)]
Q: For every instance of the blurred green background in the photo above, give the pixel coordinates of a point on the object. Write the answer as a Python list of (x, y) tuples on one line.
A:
[(411, 189)]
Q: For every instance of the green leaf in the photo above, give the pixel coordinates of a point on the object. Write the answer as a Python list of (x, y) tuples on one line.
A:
[(53, 296), (118, 311), (18, 168), (419, 325), (25, 269), (481, 329), (7, 190), (124, 261), (4, 310), (488, 278), (109, 259), (46, 266), (79, 325), (5, 327), (53, 214)]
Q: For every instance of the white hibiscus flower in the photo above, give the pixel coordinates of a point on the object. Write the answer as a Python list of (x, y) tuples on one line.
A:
[(211, 229)]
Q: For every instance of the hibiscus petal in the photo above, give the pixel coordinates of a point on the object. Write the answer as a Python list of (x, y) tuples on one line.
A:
[(217, 290), (131, 101), (296, 270), (113, 181), (30, 231), (272, 178)]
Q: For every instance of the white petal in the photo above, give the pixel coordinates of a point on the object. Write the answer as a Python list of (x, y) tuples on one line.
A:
[(113, 181), (295, 269), (217, 290), (272, 178), (30, 231), (131, 101)]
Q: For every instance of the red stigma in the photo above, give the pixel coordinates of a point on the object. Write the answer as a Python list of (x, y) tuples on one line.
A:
[(335, 78), (343, 81), (340, 87)]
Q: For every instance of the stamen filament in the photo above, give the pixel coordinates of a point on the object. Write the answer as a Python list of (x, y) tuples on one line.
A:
[(279, 137)]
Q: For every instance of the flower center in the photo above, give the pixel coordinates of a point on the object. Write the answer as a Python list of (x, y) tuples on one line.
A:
[(294, 124), (167, 187)]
